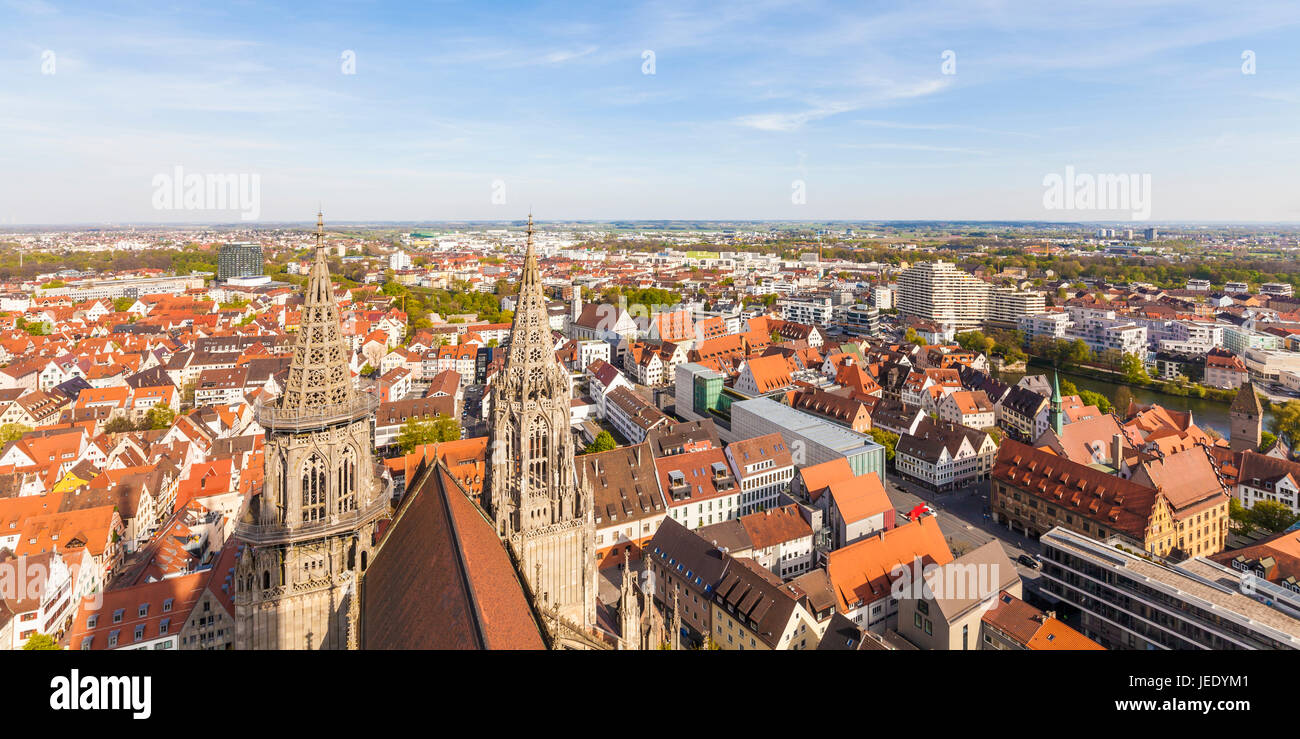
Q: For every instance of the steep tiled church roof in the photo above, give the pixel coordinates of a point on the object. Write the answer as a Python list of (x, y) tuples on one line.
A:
[(442, 579)]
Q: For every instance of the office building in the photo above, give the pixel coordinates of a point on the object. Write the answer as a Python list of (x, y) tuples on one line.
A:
[(1128, 601), (239, 260)]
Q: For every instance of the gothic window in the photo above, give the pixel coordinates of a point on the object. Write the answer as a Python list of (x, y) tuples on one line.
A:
[(266, 579), (313, 489), (539, 454), (347, 481), (283, 500)]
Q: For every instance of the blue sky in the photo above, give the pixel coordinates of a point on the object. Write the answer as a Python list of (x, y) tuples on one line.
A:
[(746, 98)]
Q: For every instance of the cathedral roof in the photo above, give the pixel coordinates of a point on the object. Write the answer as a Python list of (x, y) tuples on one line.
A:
[(442, 579)]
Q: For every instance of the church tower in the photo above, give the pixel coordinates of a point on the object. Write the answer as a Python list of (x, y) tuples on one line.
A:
[(1247, 419), (1055, 415), (308, 537), (538, 505)]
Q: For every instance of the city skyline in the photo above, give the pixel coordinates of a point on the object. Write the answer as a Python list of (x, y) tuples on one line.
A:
[(445, 113)]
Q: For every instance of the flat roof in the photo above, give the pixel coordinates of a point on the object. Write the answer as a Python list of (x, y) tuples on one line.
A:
[(1196, 581), (819, 430)]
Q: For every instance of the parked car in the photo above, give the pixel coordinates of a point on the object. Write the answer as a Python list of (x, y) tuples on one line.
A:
[(1028, 561)]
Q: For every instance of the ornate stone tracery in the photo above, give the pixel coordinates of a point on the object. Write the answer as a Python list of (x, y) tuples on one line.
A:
[(307, 537), (533, 492)]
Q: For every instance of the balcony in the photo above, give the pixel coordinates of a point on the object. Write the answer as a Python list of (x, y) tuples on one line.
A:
[(261, 534), (273, 418)]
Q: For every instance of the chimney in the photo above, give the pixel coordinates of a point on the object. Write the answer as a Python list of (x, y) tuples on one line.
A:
[(1116, 449)]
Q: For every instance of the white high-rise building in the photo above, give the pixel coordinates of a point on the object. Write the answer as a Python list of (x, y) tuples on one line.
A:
[(399, 260), (944, 294)]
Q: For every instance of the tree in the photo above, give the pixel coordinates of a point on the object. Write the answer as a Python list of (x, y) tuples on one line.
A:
[(1266, 441), (1110, 358), (887, 439), (1272, 516), (41, 641), (416, 432), (13, 431), (1094, 398), (1286, 420), (975, 341), (603, 442), (1123, 398), (159, 417), (1074, 353), (1134, 370), (118, 425), (1239, 518), (122, 305), (1068, 388), (445, 428), (366, 370)]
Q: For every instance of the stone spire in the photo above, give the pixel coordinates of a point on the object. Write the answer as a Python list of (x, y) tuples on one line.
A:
[(629, 608), (311, 531), (531, 315), (319, 378), (674, 639), (537, 501)]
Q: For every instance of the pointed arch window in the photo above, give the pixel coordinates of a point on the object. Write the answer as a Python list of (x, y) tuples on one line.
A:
[(347, 481), (313, 489), (538, 458)]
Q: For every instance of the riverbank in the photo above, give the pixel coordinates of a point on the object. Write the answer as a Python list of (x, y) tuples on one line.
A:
[(1206, 413), (1187, 390)]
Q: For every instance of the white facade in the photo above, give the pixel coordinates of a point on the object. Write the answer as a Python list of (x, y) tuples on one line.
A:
[(810, 311)]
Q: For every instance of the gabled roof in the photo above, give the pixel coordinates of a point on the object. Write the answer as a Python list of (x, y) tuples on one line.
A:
[(859, 497), (775, 526), (442, 579), (623, 484), (817, 478), (1120, 504), (860, 572)]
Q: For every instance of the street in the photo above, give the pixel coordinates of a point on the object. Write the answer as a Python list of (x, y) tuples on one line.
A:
[(961, 516)]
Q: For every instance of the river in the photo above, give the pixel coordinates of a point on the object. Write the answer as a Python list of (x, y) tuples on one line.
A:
[(1208, 414)]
